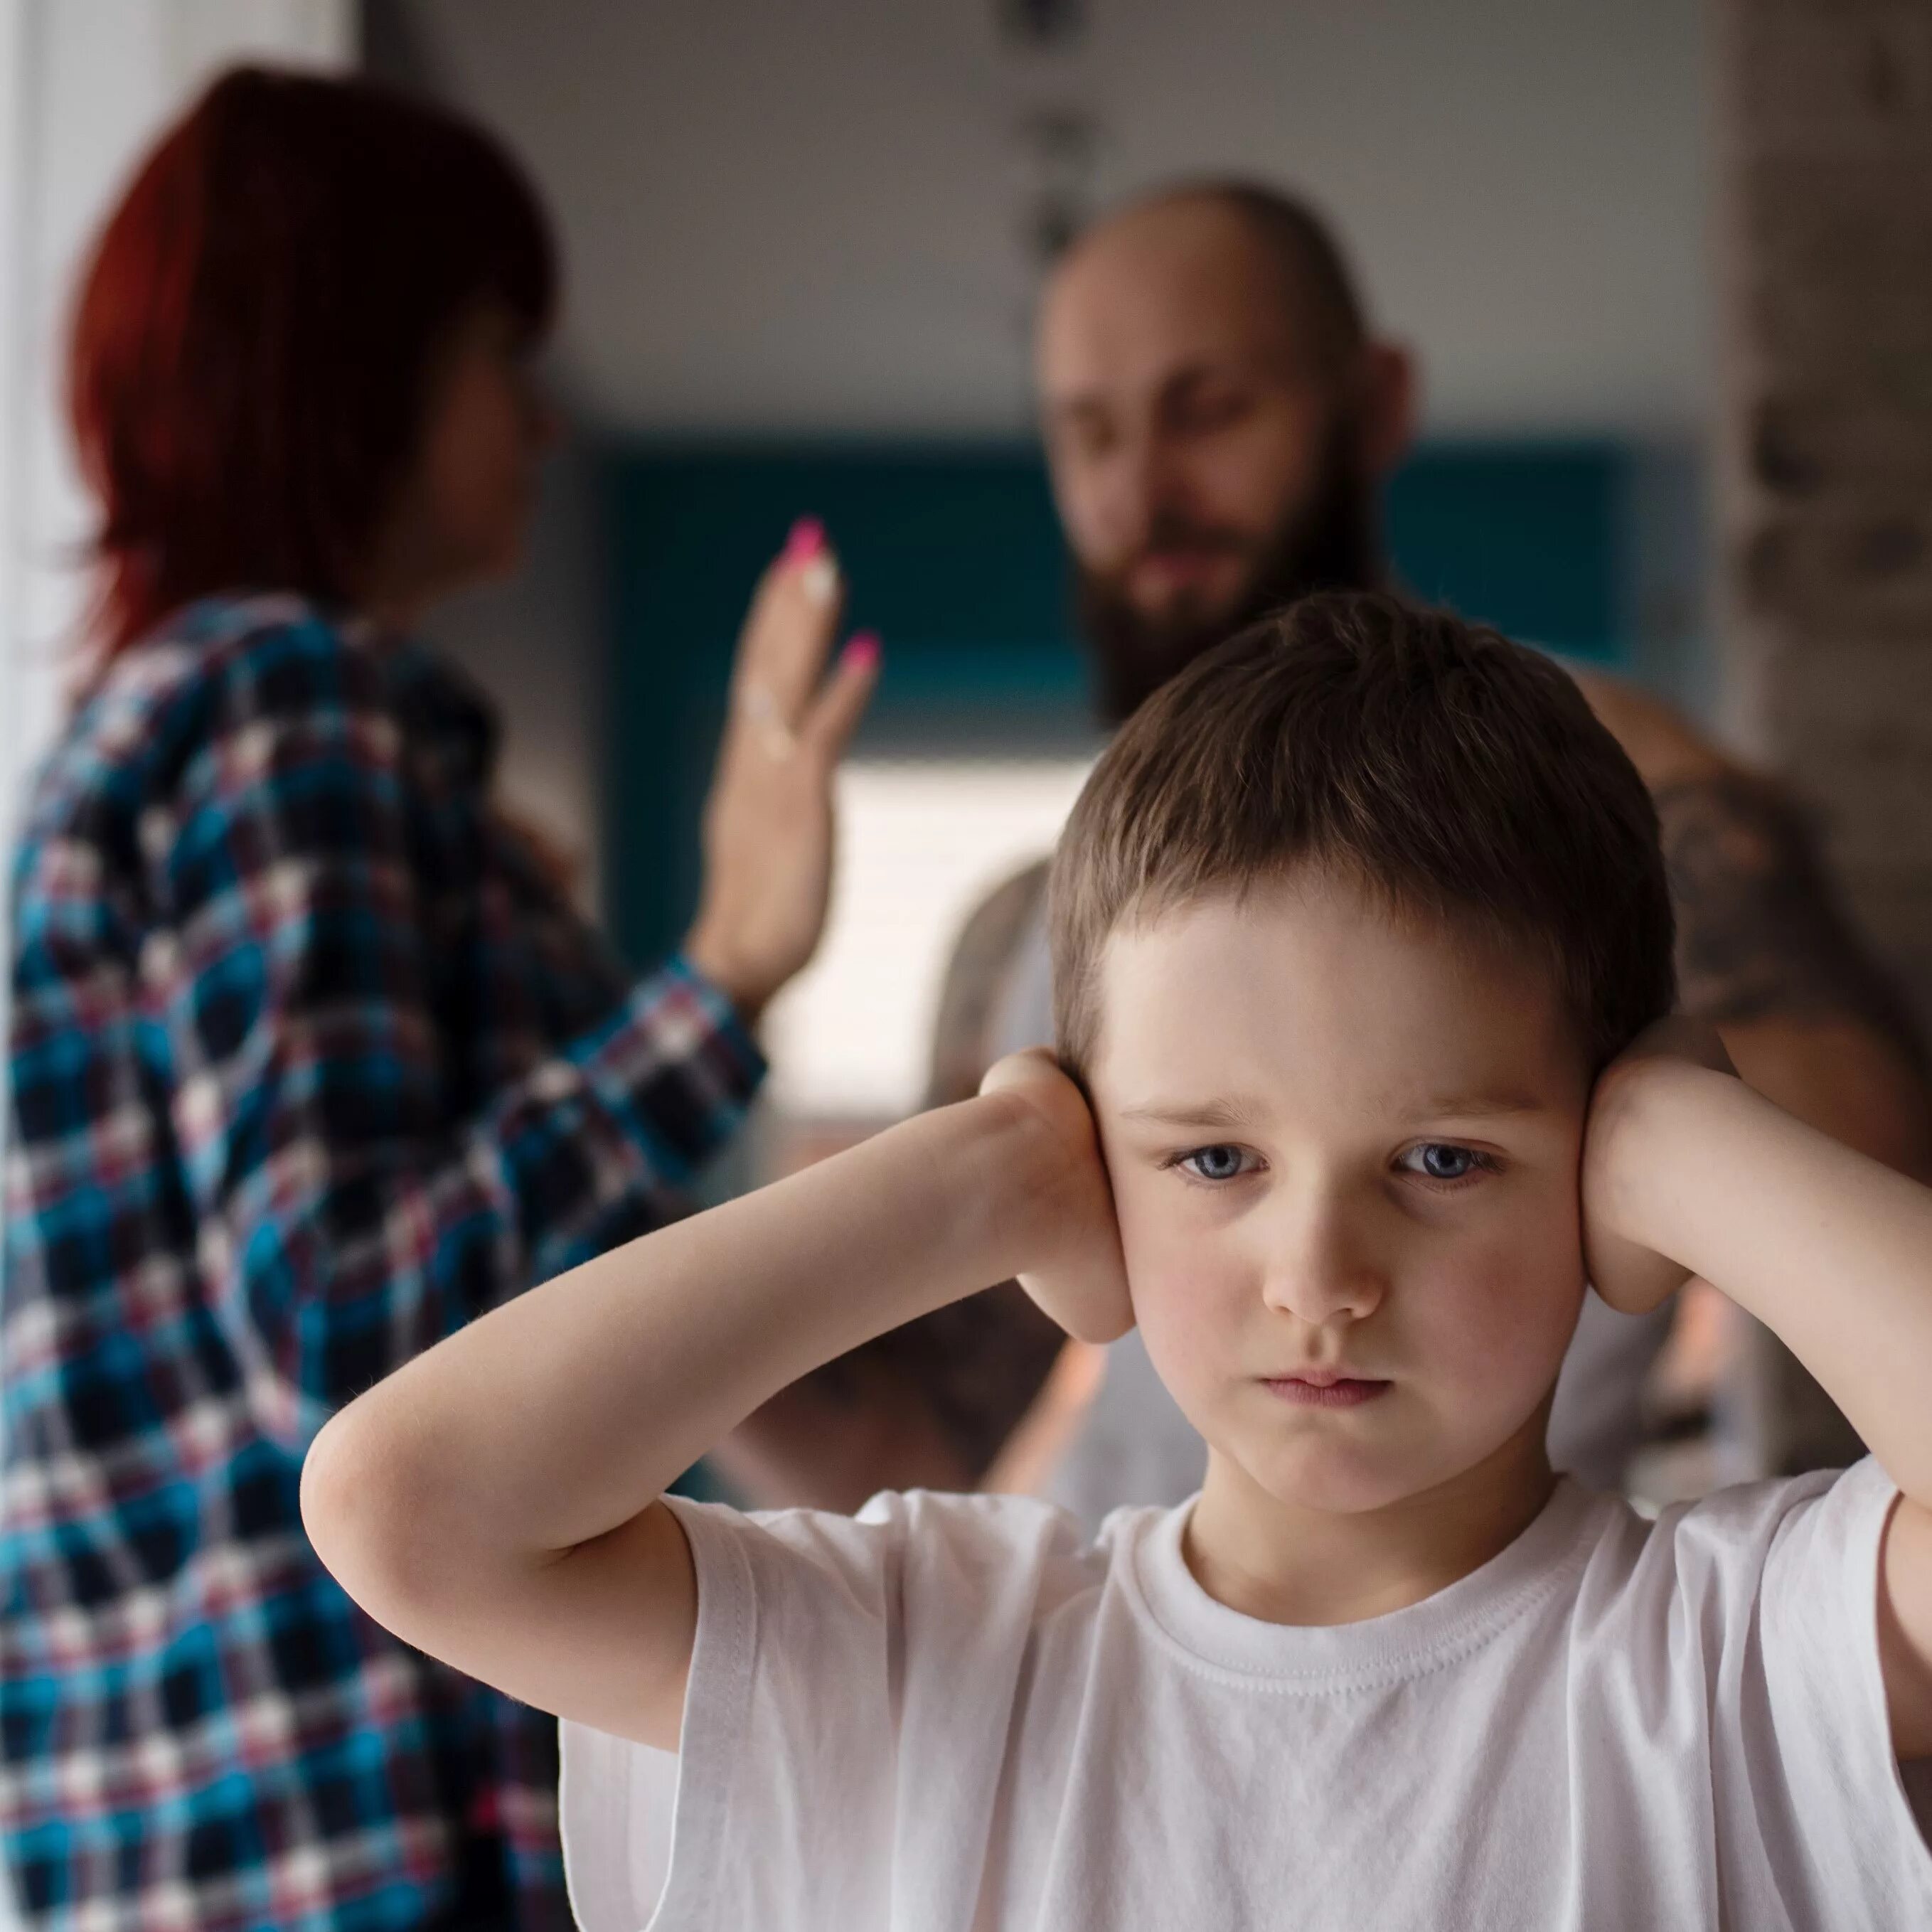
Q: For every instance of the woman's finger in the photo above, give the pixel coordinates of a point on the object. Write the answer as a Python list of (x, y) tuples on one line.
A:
[(794, 616), (836, 713)]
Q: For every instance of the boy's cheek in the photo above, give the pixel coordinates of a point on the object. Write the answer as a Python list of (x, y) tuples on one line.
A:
[(1190, 1313), (1180, 1287), (1152, 1243), (1507, 1316)]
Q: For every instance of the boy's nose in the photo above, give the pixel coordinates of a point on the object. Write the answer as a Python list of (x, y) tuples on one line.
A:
[(1320, 1267)]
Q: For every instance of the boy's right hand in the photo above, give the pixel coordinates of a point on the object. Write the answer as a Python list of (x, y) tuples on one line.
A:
[(1075, 1269)]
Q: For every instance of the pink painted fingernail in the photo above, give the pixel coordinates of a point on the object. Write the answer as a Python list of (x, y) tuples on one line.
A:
[(806, 540), (862, 650)]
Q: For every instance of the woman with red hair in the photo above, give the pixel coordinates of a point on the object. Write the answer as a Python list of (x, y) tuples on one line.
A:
[(311, 1062)]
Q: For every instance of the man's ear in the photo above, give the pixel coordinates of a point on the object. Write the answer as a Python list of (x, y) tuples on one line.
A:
[(1391, 398)]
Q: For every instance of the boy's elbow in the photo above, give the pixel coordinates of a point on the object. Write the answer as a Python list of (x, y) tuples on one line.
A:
[(357, 1506)]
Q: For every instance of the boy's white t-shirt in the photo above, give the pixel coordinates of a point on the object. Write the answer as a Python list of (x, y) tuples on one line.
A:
[(949, 1714)]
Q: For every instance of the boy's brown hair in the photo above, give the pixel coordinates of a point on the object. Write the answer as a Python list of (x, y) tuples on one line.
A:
[(1457, 774)]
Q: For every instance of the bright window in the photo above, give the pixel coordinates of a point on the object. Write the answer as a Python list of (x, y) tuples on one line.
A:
[(920, 843)]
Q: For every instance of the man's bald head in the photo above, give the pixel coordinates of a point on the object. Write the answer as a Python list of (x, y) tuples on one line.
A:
[(1314, 290), (1206, 379)]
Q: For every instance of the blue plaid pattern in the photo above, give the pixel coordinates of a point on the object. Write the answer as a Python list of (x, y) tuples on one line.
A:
[(310, 1065)]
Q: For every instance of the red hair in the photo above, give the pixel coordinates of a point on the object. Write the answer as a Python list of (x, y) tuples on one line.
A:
[(257, 331)]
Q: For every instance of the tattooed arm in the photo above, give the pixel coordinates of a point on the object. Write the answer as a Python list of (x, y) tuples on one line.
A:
[(1766, 950), (1766, 953), (928, 1405)]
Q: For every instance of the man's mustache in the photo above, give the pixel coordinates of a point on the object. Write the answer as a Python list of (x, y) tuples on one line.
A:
[(1168, 538)]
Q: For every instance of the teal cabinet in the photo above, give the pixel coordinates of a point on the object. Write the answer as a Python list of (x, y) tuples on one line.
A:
[(954, 556)]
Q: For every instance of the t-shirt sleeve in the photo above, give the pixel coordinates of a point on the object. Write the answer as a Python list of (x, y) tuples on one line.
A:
[(1826, 1695), (845, 1669), (1802, 1736)]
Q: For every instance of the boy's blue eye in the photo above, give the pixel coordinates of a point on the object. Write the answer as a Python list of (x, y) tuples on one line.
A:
[(1440, 1161), (1214, 1163)]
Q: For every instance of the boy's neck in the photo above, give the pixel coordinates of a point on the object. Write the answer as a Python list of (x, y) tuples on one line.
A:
[(1287, 1565)]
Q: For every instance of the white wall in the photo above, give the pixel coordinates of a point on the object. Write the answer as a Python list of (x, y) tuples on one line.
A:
[(785, 215), (780, 216), (84, 85)]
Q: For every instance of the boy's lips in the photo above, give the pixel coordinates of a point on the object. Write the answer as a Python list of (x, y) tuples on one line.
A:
[(1327, 1388)]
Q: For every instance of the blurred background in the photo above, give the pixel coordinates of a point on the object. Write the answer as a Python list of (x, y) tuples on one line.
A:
[(803, 247), (1667, 269), (805, 244)]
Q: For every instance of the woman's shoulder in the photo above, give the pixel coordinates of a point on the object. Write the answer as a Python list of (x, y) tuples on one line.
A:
[(255, 652), (212, 669), (270, 651)]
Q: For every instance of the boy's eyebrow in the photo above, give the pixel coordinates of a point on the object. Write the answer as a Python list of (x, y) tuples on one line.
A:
[(1235, 1113), (1241, 1112), (1480, 1106)]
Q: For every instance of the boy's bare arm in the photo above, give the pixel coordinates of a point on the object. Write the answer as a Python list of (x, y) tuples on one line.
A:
[(1830, 1249), (495, 1502)]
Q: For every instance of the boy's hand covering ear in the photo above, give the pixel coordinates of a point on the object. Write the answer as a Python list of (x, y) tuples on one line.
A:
[(1632, 1278), (1079, 1277)]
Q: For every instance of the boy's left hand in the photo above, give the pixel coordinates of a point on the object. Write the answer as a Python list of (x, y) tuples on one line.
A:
[(1632, 1276)]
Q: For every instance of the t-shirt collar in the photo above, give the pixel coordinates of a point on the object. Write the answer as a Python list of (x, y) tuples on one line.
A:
[(1378, 1650)]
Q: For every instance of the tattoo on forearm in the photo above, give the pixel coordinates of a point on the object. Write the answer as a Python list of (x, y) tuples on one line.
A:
[(1761, 933), (972, 1368)]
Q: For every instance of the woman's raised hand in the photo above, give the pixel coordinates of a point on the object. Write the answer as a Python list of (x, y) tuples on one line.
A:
[(768, 824)]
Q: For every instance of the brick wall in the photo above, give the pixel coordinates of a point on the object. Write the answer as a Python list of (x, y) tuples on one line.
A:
[(1826, 257)]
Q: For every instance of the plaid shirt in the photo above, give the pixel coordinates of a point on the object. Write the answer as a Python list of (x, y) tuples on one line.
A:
[(310, 1065)]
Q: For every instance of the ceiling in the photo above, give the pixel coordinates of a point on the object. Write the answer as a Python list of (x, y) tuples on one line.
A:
[(787, 216)]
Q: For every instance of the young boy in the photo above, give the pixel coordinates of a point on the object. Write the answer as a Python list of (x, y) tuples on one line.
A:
[(1359, 931)]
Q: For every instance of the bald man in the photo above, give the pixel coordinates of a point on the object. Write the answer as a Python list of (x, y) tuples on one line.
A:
[(1219, 418)]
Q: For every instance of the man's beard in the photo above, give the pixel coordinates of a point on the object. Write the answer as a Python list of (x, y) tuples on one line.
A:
[(1332, 543)]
